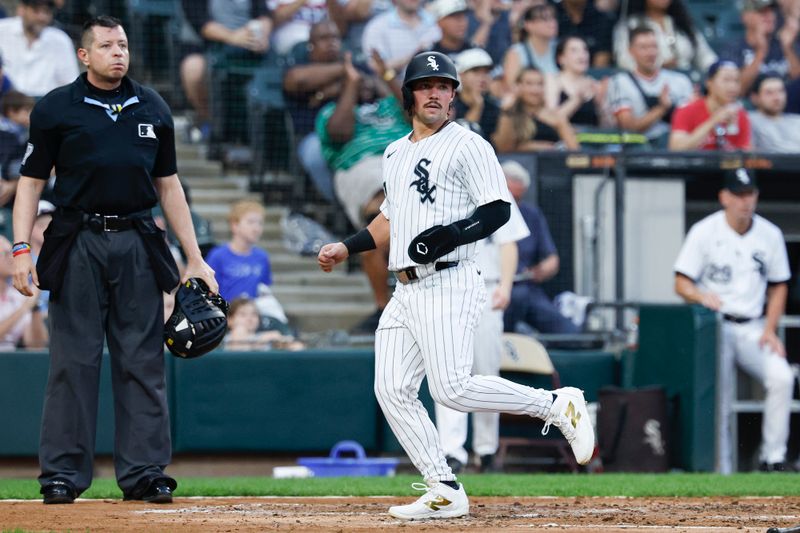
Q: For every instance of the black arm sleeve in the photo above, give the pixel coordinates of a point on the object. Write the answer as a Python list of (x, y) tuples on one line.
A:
[(486, 219)]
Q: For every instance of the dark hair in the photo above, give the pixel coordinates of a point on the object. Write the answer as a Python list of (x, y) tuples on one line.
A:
[(532, 13), (104, 21), (14, 100), (761, 78), (561, 45), (677, 10), (637, 31)]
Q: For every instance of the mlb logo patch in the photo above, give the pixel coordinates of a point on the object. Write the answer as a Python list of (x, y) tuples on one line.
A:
[(147, 131)]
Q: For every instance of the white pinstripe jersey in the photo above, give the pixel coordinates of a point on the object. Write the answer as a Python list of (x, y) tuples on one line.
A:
[(437, 181)]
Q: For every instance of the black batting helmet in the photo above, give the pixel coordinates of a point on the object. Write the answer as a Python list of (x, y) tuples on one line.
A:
[(427, 65), (199, 322)]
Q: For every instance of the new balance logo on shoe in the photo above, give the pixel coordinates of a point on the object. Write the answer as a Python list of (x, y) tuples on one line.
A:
[(439, 501), (569, 414)]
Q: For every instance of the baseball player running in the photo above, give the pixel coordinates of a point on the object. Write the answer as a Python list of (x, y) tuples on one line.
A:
[(734, 261), (445, 190)]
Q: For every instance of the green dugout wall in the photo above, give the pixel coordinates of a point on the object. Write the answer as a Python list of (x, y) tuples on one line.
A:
[(307, 401)]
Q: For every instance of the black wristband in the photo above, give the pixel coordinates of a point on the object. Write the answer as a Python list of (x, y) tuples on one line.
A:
[(359, 242)]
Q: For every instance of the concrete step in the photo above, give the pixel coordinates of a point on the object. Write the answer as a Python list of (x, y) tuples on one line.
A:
[(195, 168), (322, 294), (216, 183), (315, 317), (222, 197), (318, 278), (286, 262)]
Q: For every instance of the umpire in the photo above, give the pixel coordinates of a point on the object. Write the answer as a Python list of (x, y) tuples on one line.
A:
[(106, 264)]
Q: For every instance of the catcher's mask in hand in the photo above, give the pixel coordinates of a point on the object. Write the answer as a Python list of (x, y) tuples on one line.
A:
[(199, 322)]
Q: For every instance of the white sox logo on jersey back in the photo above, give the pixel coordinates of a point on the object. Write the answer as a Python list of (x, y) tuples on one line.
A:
[(423, 188), (432, 63)]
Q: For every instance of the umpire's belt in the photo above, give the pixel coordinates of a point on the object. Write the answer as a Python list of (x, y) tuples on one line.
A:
[(738, 319), (100, 223), (407, 275)]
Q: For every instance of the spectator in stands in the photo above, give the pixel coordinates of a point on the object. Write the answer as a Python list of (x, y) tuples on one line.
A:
[(241, 265), (537, 44), (681, 46), (354, 133), (451, 17), (21, 320), (314, 78), (571, 91), (37, 57), (5, 82), (244, 333), (490, 24), (242, 28), (473, 102), (643, 100), (762, 49), (538, 262), (526, 125), (773, 130), (293, 20), (716, 122), (400, 33), (581, 18), (360, 13), (15, 113)]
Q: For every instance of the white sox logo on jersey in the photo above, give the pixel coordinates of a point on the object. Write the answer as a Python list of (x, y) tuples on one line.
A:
[(432, 63), (423, 188), (758, 257)]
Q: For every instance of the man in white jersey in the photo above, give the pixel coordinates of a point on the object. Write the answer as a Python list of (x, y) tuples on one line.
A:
[(445, 191), (734, 261), (497, 260)]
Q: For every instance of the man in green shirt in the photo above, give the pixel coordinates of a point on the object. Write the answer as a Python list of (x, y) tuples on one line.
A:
[(354, 131)]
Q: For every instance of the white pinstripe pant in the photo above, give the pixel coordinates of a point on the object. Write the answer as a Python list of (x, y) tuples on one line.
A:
[(427, 330)]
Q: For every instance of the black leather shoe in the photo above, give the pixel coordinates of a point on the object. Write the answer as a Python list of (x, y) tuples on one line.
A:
[(158, 491), (58, 492), (488, 465)]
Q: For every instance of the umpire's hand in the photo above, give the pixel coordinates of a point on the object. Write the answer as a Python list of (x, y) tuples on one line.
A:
[(331, 255), (24, 269), (432, 244), (198, 268)]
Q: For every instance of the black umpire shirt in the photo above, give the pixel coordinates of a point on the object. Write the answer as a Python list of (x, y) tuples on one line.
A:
[(107, 146)]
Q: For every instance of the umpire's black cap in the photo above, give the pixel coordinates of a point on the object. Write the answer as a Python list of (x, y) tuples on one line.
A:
[(740, 180)]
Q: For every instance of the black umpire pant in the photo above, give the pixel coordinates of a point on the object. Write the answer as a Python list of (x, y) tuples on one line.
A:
[(109, 292)]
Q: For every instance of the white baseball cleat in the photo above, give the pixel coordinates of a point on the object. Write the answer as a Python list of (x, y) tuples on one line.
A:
[(570, 416), (439, 501)]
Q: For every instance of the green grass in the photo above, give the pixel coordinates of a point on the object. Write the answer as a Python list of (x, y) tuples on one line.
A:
[(634, 485)]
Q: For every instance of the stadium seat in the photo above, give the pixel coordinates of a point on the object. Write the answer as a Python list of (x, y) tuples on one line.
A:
[(526, 355), (270, 126), (154, 27)]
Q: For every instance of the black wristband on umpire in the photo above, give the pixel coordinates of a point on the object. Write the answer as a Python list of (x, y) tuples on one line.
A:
[(359, 242)]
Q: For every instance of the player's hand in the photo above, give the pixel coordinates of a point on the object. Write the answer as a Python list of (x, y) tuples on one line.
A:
[(501, 297), (198, 268), (24, 270), (710, 300), (432, 244), (331, 255), (770, 340)]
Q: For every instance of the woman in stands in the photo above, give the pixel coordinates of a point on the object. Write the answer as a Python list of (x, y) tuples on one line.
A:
[(572, 92), (716, 122), (526, 124), (682, 47), (537, 44)]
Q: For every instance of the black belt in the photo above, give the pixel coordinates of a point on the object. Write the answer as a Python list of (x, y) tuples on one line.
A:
[(738, 319), (99, 223), (411, 274)]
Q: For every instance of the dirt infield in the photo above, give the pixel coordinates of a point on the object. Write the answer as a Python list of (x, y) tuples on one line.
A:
[(369, 514)]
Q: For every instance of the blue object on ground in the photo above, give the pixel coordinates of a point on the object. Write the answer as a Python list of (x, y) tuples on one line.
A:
[(360, 465)]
